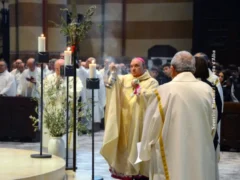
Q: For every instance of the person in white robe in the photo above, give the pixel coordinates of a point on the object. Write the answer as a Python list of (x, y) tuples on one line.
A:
[(48, 82), (51, 65), (46, 71), (99, 95), (105, 72), (13, 66), (18, 71), (7, 81), (83, 75), (179, 127), (30, 81)]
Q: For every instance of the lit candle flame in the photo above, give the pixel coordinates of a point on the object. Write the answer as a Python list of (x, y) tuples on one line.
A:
[(68, 48), (42, 35), (93, 61)]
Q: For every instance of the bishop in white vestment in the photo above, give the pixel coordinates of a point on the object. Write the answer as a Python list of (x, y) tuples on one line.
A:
[(179, 127), (7, 81)]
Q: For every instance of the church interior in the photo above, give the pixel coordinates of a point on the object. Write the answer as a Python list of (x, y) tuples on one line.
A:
[(57, 58)]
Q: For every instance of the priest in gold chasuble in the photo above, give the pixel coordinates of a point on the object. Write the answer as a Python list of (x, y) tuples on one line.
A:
[(127, 97)]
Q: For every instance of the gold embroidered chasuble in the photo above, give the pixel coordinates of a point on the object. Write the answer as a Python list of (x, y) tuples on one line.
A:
[(124, 122)]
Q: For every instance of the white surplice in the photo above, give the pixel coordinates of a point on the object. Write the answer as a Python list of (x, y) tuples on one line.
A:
[(49, 81), (99, 99), (17, 74), (46, 71), (26, 88), (7, 84), (178, 141), (83, 75)]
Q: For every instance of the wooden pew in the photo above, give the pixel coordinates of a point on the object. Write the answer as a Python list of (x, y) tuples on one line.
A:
[(15, 123), (230, 127)]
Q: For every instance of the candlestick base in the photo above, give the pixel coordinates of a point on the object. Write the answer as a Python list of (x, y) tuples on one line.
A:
[(42, 57), (93, 83), (67, 70)]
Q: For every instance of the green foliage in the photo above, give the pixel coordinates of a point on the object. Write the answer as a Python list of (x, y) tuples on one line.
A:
[(55, 110), (55, 103), (74, 31)]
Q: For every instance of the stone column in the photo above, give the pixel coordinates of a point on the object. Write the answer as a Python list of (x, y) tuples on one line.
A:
[(56, 42), (25, 27)]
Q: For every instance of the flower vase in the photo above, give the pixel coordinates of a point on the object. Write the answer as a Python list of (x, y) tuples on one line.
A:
[(56, 146)]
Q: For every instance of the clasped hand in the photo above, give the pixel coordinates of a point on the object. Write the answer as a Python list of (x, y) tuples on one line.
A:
[(32, 80)]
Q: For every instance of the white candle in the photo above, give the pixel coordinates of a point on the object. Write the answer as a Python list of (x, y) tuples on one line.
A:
[(42, 43), (92, 70), (68, 56)]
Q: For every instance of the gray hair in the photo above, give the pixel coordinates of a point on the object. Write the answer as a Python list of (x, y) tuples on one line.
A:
[(183, 61), (52, 61)]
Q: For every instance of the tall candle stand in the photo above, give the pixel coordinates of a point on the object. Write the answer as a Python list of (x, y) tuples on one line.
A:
[(93, 83), (74, 57), (42, 57), (67, 71)]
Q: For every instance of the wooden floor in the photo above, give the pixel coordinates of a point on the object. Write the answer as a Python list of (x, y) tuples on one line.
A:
[(229, 165)]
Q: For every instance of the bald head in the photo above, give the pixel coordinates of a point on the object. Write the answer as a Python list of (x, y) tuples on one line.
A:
[(18, 61), (3, 66), (58, 64), (89, 61), (31, 64), (183, 61)]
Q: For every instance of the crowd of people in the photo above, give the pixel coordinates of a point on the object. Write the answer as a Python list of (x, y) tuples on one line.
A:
[(167, 117), (228, 77)]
